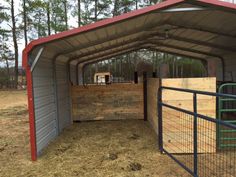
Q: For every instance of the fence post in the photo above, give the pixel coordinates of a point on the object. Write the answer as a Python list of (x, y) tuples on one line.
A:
[(160, 123), (135, 77), (195, 144)]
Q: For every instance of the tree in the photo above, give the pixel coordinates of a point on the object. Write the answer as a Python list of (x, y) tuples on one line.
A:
[(34, 14), (116, 7), (136, 4), (14, 37), (65, 13), (152, 2), (25, 21), (6, 54), (39, 15), (101, 9), (79, 12), (126, 6), (96, 10), (87, 12), (48, 9), (59, 19)]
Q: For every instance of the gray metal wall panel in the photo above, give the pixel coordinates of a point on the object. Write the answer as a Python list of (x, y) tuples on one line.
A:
[(43, 81), (63, 95), (230, 68), (73, 74), (44, 120), (43, 91), (80, 74), (47, 129), (43, 72), (45, 110), (42, 143), (44, 103)]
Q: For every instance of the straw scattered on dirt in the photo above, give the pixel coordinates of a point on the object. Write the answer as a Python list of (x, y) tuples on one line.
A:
[(88, 149), (13, 104)]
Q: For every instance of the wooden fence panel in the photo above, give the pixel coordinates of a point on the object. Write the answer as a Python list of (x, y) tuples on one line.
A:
[(178, 127), (107, 102)]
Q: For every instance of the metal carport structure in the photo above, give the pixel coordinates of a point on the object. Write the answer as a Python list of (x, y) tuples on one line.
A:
[(203, 29)]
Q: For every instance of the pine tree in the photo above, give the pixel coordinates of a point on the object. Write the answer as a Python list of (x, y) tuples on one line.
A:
[(126, 6), (48, 9), (35, 19), (6, 55), (25, 10), (39, 15), (58, 18), (103, 9), (116, 8), (87, 12), (79, 12), (65, 6), (14, 38)]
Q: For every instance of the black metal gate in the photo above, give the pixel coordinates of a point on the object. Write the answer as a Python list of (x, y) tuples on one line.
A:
[(195, 135)]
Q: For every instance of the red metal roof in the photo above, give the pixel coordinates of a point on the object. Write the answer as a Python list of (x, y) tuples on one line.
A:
[(92, 26), (133, 14)]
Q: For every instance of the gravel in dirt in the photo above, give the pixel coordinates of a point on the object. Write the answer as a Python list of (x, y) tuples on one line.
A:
[(135, 166)]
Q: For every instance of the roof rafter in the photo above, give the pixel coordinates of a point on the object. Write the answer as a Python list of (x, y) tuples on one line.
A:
[(198, 42), (110, 47), (111, 56), (178, 54), (206, 30), (185, 49), (108, 52)]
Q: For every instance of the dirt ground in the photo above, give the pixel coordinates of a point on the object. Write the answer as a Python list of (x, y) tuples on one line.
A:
[(89, 149)]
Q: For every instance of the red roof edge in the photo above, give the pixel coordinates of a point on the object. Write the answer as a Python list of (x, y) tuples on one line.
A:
[(217, 3)]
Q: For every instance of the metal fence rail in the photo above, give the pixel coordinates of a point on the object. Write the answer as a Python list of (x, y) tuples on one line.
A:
[(227, 113), (191, 138)]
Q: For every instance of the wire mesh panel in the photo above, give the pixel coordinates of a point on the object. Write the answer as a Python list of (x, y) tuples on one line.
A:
[(222, 163), (191, 138), (178, 136)]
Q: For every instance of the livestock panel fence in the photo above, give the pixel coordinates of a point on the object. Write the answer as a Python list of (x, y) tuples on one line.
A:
[(190, 136)]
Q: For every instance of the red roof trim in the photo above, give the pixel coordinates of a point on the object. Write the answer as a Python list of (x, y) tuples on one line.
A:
[(219, 3)]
